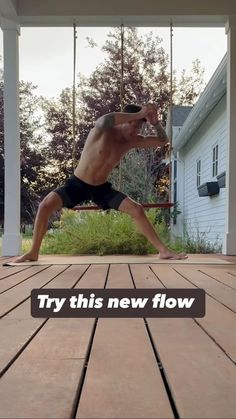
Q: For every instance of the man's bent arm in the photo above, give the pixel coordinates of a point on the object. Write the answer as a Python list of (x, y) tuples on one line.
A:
[(109, 120)]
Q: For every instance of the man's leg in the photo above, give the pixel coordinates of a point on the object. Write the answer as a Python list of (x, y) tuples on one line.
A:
[(51, 203), (136, 211)]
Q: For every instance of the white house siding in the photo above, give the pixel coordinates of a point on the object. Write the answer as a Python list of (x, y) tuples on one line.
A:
[(205, 214), (176, 131)]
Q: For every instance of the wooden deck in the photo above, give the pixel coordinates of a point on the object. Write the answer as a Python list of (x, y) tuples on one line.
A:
[(118, 368)]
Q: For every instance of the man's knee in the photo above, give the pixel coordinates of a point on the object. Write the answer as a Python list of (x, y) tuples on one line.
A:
[(44, 207), (135, 210), (50, 204)]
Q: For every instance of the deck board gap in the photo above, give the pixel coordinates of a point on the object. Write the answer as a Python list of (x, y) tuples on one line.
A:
[(13, 273), (156, 275), (13, 308), (207, 293), (215, 279), (158, 361), (83, 374), (20, 282), (163, 373), (28, 297), (131, 275), (231, 273), (107, 275), (203, 329), (215, 341), (81, 276)]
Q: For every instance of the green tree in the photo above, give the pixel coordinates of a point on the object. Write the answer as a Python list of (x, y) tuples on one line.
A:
[(138, 168), (146, 75), (32, 155), (32, 151), (190, 85), (59, 122)]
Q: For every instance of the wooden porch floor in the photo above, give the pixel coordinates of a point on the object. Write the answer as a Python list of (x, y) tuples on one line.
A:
[(118, 368)]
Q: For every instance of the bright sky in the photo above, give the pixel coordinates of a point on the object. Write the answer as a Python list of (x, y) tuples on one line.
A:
[(46, 54)]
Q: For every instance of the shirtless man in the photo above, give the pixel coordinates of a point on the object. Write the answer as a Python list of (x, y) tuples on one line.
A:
[(113, 135)]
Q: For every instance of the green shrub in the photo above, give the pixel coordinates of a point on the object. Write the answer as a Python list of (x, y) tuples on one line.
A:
[(115, 233), (99, 233)]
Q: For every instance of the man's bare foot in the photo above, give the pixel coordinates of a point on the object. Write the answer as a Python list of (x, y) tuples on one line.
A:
[(168, 254), (32, 257)]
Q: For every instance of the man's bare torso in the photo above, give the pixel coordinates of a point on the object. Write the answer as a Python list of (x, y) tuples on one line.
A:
[(102, 152)]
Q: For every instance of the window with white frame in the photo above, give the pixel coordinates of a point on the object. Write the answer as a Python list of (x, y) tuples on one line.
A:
[(215, 160), (198, 172)]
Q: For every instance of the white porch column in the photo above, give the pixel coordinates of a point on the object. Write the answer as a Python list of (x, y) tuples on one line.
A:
[(180, 193), (11, 242), (229, 246)]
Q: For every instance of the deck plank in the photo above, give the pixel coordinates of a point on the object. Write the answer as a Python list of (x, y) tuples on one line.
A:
[(4, 268), (18, 326), (219, 291), (123, 379), (16, 278), (35, 388), (9, 271), (57, 355), (39, 277), (220, 275), (217, 315), (201, 376), (232, 272)]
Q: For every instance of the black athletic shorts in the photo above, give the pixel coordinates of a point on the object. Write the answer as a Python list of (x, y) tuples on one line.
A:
[(76, 191)]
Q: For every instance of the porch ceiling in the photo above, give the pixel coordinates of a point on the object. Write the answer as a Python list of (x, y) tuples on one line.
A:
[(107, 13)]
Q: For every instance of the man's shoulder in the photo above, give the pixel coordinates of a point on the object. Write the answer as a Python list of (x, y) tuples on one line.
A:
[(97, 134)]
